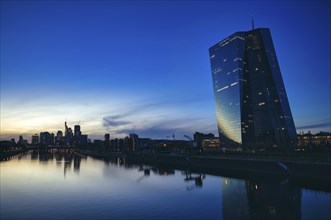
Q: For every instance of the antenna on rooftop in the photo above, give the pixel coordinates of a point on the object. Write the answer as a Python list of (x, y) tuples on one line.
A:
[(252, 23)]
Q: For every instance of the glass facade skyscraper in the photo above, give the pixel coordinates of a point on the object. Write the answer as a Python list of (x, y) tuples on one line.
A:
[(252, 108)]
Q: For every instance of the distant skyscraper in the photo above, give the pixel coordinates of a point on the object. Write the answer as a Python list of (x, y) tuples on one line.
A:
[(59, 138), (77, 131), (107, 138), (69, 137), (46, 138), (35, 139), (251, 104), (20, 139)]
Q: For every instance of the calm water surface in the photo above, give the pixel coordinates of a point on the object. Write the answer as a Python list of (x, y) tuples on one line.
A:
[(59, 185)]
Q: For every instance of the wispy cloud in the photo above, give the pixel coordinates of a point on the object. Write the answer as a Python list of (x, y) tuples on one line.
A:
[(148, 116), (314, 126), (112, 121)]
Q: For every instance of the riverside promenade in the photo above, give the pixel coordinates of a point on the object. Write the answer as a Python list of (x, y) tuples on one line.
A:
[(313, 172)]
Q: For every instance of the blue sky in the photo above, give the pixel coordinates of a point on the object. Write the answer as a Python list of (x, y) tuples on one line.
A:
[(122, 67)]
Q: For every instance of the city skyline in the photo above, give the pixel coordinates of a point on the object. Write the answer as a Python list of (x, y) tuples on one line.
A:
[(144, 67)]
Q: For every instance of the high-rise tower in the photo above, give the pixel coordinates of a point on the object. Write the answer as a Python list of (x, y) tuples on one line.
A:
[(77, 132), (251, 103)]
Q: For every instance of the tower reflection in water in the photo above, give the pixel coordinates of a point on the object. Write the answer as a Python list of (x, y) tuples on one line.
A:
[(65, 157), (246, 199)]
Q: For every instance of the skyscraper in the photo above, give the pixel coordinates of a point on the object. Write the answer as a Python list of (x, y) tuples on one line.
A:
[(252, 108), (77, 131), (35, 139)]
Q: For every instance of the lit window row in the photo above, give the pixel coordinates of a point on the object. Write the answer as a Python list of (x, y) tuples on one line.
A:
[(221, 89), (235, 83), (238, 58), (227, 40), (237, 69), (261, 103), (222, 45), (217, 70)]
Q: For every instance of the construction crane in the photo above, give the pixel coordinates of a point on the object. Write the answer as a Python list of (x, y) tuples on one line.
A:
[(188, 137), (194, 143)]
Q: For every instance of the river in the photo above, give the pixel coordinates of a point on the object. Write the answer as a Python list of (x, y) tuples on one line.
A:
[(63, 185)]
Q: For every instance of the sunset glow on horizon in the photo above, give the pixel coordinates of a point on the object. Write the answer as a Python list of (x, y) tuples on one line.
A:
[(143, 67)]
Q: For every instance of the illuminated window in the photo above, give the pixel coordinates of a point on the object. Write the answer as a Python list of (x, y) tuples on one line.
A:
[(261, 103), (235, 83), (222, 45), (217, 70), (221, 89), (212, 56)]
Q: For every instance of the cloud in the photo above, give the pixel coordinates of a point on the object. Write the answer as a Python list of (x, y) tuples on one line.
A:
[(165, 128), (157, 117), (312, 126), (112, 121)]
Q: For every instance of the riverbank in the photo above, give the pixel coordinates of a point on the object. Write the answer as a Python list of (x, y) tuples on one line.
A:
[(308, 174), (10, 154)]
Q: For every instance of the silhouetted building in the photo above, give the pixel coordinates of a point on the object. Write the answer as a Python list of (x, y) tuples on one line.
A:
[(135, 141), (77, 131), (35, 139), (59, 138), (83, 139), (20, 140), (107, 140), (251, 103), (77, 134), (211, 143), (199, 137), (69, 137), (98, 143), (46, 139), (320, 139)]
